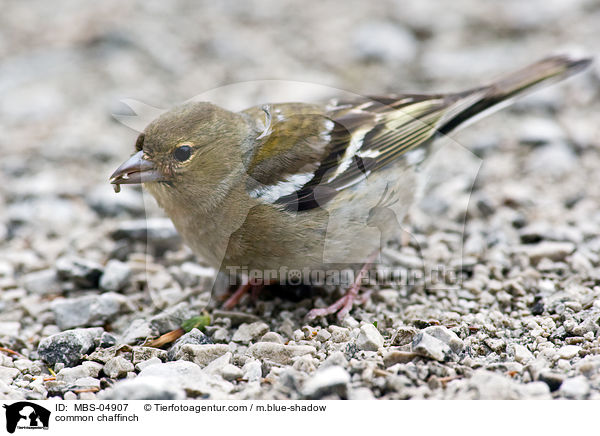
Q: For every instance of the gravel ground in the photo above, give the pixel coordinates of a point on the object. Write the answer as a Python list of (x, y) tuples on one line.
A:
[(85, 278)]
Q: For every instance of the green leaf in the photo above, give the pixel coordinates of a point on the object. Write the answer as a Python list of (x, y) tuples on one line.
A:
[(197, 322)]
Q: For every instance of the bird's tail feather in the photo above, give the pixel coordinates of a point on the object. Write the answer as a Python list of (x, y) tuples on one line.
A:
[(502, 92)]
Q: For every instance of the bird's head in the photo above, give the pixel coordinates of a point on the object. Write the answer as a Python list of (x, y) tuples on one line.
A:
[(192, 152)]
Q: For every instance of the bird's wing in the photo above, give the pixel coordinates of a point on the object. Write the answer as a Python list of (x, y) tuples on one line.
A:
[(313, 152), (306, 154)]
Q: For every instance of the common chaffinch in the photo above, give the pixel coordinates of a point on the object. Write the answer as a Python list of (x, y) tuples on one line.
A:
[(300, 187)]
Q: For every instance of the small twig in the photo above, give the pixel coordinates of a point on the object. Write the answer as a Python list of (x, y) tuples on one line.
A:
[(9, 351)]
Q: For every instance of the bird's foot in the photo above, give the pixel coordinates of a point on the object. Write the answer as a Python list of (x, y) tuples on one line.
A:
[(344, 304), (234, 299)]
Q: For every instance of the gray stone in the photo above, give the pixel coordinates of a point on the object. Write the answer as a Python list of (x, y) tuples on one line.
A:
[(369, 338), (337, 358), (252, 370), (158, 232), (88, 310), (191, 274), (522, 354), (116, 275), (194, 337), (144, 388), (7, 375), (323, 335), (171, 318), (83, 273), (26, 366), (548, 249), (327, 381), (339, 334), (42, 282), (217, 365), (146, 363), (447, 336), (231, 372), (403, 335), (86, 383), (552, 379), (576, 388), (486, 385), (568, 352), (141, 354), (86, 369), (272, 337), (105, 203), (138, 331), (118, 367), (427, 346), (250, 332), (68, 347), (278, 353), (201, 354), (188, 376), (10, 328)]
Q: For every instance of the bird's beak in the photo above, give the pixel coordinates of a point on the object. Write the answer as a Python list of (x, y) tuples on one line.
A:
[(136, 169)]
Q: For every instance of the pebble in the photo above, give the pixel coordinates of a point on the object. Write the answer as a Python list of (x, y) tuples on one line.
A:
[(141, 354), (576, 388), (146, 363), (105, 203), (192, 275), (550, 250), (522, 354), (158, 232), (568, 352), (84, 273), (116, 275), (327, 381), (171, 318), (194, 337), (189, 376), (369, 338), (138, 331), (278, 353), (118, 367), (396, 356), (252, 370), (272, 337), (217, 365), (250, 332), (427, 346), (201, 354), (553, 379), (10, 328), (447, 336), (42, 282), (231, 372), (7, 375), (144, 388), (89, 310), (86, 369), (68, 347)]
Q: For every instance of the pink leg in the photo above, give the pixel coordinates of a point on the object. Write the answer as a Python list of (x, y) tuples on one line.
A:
[(237, 296), (253, 286), (344, 304)]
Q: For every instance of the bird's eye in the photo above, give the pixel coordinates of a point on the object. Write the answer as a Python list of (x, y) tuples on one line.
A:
[(182, 153)]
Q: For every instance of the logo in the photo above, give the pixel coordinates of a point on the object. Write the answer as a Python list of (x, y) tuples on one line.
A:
[(26, 415)]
